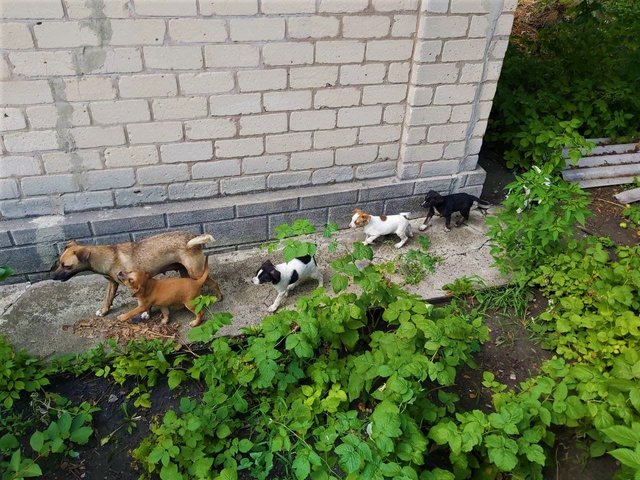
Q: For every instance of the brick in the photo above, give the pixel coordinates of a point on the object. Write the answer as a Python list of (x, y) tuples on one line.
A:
[(224, 56), (488, 90), (479, 128), (288, 179), (436, 6), (439, 168), (356, 116), (335, 138), (11, 119), (261, 80), (15, 36), (8, 189), (42, 63), (197, 30), (52, 234), (456, 50), (239, 147), (270, 7), (116, 60), (329, 199), (266, 208), (210, 128), (175, 108), (244, 184), (471, 73), (205, 83), (429, 115), (498, 49), (126, 224), (278, 101), (504, 24), (362, 74), (383, 94), (129, 197), (173, 57), (235, 104), (48, 116), (311, 160), (287, 53), (380, 134), (109, 179), (154, 132), (422, 153), (447, 133), (223, 168), (155, 8), (365, 26), (137, 32), (461, 113), (332, 175), (80, 160), (415, 135), (186, 152), (394, 114), (26, 9), (120, 111), (19, 166), (30, 259), (201, 215), (228, 7), (454, 150), (313, 120), (5, 69), (420, 96), (112, 9), (234, 232), (337, 97), (131, 156), (446, 26), (309, 77), (288, 142), (394, 5), (64, 35), (403, 26), (191, 190), (435, 74), (88, 88), (31, 141), (318, 217), (384, 192), (385, 50), (339, 51), (376, 170), (162, 85), (256, 29), (469, 6), (265, 164), (313, 27), (25, 92), (354, 155), (389, 151), (454, 94), (342, 6), (24, 207), (260, 124), (49, 184), (427, 50), (162, 174), (399, 72), (89, 137)]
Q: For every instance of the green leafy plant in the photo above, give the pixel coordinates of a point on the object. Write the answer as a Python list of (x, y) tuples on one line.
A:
[(19, 373), (5, 272), (415, 264)]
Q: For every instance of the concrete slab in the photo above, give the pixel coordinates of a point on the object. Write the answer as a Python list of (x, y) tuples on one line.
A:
[(33, 316)]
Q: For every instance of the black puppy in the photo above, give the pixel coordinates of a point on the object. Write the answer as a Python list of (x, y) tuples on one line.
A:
[(447, 205)]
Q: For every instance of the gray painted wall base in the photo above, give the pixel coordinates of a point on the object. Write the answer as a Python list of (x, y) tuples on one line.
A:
[(31, 246)]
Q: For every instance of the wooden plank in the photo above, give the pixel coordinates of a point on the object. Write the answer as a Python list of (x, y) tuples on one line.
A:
[(628, 196)]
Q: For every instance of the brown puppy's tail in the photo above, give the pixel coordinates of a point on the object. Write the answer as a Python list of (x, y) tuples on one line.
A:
[(200, 240), (205, 274)]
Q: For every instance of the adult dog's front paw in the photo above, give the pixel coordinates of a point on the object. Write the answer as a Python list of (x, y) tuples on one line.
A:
[(447, 229), (101, 312), (272, 308), (122, 317), (423, 227)]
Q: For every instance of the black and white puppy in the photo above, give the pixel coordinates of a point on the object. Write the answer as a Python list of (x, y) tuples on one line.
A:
[(285, 276), (447, 205)]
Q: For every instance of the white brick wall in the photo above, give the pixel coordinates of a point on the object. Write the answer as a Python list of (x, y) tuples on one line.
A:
[(229, 96)]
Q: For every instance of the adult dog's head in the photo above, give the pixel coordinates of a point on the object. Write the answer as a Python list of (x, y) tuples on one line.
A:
[(359, 219), (432, 199), (135, 281), (73, 260), (267, 273)]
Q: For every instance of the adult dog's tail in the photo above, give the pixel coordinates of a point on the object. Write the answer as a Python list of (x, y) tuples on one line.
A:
[(200, 240)]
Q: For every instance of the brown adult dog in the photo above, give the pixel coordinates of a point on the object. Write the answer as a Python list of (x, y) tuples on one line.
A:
[(180, 251), (163, 293)]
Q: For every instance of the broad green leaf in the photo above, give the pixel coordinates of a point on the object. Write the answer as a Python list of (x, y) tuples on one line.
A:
[(627, 457), (623, 436)]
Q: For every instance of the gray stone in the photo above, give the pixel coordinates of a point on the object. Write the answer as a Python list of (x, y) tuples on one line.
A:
[(195, 229), (103, 240), (230, 186), (342, 215), (475, 190), (190, 190), (234, 232), (5, 240), (198, 216), (288, 179), (437, 168), (408, 171), (30, 259), (108, 179), (407, 204), (376, 170), (469, 163), (131, 197), (265, 208), (77, 202), (439, 184), (50, 234), (332, 175), (119, 225), (477, 177), (317, 217), (389, 191), (328, 199), (29, 207)]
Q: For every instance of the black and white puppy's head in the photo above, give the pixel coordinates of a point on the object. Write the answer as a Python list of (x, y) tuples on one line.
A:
[(432, 199), (267, 273)]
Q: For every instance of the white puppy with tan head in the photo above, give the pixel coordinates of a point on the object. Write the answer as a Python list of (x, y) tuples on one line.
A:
[(375, 227)]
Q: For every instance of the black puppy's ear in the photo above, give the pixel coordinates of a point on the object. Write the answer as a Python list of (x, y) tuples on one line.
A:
[(83, 255)]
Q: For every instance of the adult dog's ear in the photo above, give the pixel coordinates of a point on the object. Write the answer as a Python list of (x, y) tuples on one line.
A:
[(83, 255), (71, 243)]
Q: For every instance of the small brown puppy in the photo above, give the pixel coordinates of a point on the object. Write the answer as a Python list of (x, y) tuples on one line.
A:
[(180, 251), (164, 293)]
